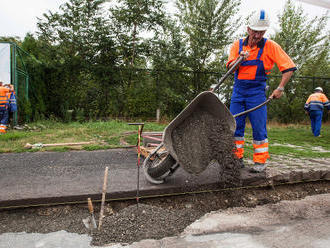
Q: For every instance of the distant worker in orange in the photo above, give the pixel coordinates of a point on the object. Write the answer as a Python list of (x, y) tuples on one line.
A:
[(4, 108), (250, 83), (314, 106)]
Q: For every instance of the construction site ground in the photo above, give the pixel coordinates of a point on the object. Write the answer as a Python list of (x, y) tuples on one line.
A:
[(53, 187)]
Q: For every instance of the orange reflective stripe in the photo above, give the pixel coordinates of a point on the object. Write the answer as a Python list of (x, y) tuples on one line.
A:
[(261, 153), (3, 128), (255, 146), (261, 158), (239, 150), (239, 142)]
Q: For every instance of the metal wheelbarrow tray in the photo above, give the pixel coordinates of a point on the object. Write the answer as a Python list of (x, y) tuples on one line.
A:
[(205, 103), (187, 137)]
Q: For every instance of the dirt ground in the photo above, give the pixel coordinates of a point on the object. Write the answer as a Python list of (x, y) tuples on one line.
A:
[(155, 218)]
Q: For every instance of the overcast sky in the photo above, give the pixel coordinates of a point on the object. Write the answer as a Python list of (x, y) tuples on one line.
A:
[(17, 17)]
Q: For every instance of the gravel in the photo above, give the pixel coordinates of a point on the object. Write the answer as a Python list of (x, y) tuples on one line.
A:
[(143, 222)]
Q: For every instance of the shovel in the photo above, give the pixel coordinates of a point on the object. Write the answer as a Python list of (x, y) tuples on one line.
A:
[(90, 222)]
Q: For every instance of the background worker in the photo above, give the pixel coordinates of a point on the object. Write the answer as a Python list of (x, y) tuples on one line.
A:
[(4, 108), (314, 106), (12, 98), (250, 82)]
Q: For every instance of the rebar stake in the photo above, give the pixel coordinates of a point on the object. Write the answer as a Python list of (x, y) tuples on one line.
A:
[(140, 128)]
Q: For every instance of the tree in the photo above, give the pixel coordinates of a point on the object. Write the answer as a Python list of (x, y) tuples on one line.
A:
[(81, 48), (208, 27), (307, 42), (168, 56), (132, 19), (131, 22)]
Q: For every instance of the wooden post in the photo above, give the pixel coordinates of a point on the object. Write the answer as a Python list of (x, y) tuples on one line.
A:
[(158, 115)]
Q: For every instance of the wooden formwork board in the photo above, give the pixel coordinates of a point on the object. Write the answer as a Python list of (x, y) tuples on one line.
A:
[(152, 138), (145, 151)]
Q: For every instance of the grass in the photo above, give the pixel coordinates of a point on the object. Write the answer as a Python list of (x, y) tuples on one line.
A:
[(104, 135), (289, 140), (294, 141)]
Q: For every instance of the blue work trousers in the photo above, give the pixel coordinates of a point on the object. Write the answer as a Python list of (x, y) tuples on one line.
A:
[(4, 116), (316, 121), (242, 101)]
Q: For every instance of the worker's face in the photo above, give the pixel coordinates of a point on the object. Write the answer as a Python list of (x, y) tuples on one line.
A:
[(255, 36)]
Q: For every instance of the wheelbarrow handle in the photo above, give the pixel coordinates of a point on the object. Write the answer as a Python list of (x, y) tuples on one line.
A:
[(238, 61), (254, 108)]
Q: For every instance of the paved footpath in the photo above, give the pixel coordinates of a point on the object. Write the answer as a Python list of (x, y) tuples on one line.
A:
[(36, 178)]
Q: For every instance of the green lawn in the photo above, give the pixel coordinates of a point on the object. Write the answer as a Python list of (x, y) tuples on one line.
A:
[(104, 135), (293, 140)]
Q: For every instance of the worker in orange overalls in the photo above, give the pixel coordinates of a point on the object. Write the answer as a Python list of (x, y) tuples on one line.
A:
[(4, 108), (314, 106), (260, 54)]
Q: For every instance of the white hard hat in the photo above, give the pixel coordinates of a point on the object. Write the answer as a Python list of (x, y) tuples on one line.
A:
[(259, 21), (318, 89)]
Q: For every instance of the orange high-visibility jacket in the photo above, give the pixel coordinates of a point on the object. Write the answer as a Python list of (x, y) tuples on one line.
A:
[(4, 97), (272, 54), (317, 101)]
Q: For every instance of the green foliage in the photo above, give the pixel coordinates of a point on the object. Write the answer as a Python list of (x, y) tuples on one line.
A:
[(307, 42), (134, 58), (208, 27), (24, 110), (130, 18)]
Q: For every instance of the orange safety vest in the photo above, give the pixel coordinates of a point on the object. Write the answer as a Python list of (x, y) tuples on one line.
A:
[(317, 101), (4, 97)]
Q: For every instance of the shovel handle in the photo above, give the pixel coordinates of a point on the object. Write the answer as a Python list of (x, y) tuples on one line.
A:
[(252, 109), (238, 61), (90, 205)]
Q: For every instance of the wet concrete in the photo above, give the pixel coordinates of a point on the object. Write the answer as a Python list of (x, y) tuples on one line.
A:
[(64, 177)]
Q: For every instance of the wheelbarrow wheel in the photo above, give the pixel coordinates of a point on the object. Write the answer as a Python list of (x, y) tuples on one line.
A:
[(161, 165)]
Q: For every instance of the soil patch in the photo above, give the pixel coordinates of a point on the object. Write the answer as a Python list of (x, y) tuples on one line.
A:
[(202, 139), (154, 218)]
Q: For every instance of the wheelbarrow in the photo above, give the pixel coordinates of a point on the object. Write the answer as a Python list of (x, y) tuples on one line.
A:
[(160, 165)]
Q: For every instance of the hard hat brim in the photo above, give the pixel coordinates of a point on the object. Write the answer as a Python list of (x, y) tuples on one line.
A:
[(262, 28)]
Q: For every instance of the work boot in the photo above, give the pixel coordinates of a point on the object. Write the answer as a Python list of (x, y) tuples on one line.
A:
[(258, 167), (241, 163)]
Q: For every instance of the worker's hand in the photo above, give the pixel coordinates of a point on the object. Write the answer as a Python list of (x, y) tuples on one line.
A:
[(244, 54), (306, 112), (276, 94)]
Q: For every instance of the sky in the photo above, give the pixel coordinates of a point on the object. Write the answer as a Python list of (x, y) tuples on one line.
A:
[(18, 17)]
